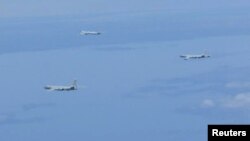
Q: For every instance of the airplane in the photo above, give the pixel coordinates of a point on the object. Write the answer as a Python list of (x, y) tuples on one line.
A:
[(71, 87), (194, 56), (89, 33)]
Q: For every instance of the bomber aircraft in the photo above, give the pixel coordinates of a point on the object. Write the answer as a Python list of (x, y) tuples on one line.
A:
[(71, 87), (194, 56), (89, 33)]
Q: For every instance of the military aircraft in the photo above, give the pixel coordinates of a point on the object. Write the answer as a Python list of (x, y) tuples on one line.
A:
[(71, 87), (89, 33), (194, 56)]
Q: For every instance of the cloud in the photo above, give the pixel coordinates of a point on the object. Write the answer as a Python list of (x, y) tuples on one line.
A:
[(238, 101), (238, 85), (208, 103), (20, 118), (192, 85), (241, 100), (6, 119), (114, 48), (232, 108), (32, 106)]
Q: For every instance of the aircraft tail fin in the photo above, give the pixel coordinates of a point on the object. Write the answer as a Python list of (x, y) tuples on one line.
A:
[(205, 52), (74, 84)]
